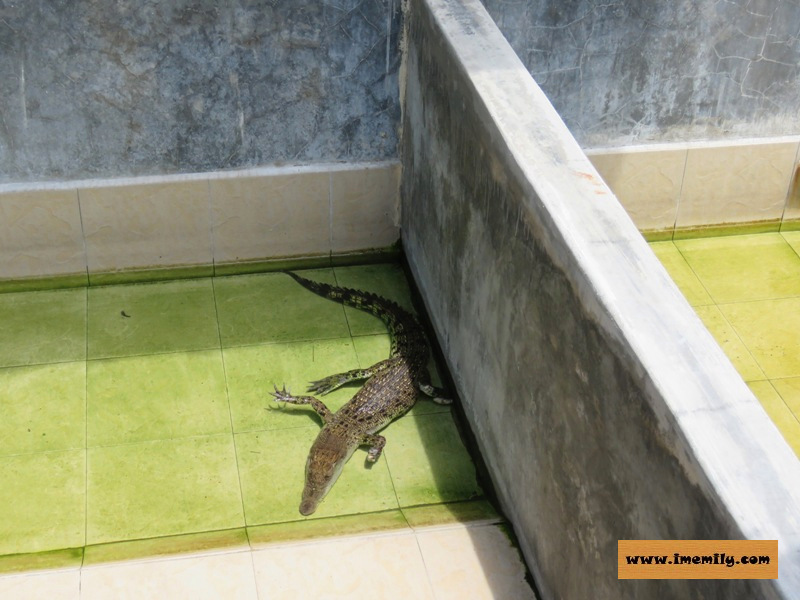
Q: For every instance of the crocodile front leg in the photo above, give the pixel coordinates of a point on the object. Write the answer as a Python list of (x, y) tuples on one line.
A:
[(320, 408), (331, 382), (376, 443)]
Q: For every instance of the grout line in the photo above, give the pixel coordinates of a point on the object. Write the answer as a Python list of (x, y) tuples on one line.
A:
[(344, 312), (744, 345), (86, 435), (680, 195), (83, 234), (794, 176), (211, 236), (330, 215), (768, 299), (785, 404), (425, 565), (699, 280), (253, 565), (230, 411)]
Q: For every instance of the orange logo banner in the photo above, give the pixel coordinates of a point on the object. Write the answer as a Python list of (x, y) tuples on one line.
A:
[(698, 559)]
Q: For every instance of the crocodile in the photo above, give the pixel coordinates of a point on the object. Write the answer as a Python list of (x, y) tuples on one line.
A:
[(389, 391)]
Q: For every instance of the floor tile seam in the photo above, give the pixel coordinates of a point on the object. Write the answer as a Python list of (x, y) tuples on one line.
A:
[(794, 249), (85, 424), (323, 338), (428, 568), (154, 282), (286, 342), (43, 364), (170, 558), (344, 312), (86, 431), (742, 342), (169, 536), (391, 480), (753, 300), (250, 431), (43, 452), (460, 525), (783, 400), (39, 572), (161, 440), (731, 238), (783, 262), (144, 559), (158, 353), (222, 347), (256, 586), (175, 438), (228, 400), (315, 520), (405, 531), (696, 274), (783, 378), (72, 289)]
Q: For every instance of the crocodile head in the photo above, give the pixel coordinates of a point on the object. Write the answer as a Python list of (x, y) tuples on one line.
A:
[(326, 459)]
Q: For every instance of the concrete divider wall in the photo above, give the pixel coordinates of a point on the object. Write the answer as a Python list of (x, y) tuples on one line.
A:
[(603, 408)]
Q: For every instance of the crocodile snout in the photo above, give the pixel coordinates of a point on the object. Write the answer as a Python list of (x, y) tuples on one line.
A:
[(307, 507)]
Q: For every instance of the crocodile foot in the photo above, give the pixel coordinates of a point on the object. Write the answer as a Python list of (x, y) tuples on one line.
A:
[(283, 395), (328, 384), (376, 444), (435, 394)]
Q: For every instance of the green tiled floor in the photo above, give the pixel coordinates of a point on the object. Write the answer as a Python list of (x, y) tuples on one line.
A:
[(134, 412), (746, 289)]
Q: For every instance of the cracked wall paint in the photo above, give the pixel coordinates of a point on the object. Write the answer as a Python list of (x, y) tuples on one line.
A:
[(637, 71), (105, 89)]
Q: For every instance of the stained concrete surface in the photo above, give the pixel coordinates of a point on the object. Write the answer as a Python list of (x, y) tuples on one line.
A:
[(634, 71), (97, 88)]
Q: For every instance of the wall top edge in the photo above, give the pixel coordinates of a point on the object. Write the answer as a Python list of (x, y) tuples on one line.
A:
[(263, 171), (693, 145)]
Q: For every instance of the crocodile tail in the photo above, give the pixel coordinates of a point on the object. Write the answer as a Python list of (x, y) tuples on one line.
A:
[(386, 310)]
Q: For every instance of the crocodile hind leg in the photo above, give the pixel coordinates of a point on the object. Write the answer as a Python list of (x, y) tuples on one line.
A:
[(376, 444), (332, 382), (436, 394), (318, 406)]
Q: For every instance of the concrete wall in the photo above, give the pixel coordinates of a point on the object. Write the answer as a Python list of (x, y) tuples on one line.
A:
[(99, 88), (602, 406), (636, 71)]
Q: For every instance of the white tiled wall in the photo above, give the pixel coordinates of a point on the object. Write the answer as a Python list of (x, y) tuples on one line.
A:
[(284, 216), (647, 183), (681, 186), (97, 227), (40, 232), (157, 224)]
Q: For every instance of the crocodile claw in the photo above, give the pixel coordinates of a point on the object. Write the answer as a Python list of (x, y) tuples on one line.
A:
[(322, 386), (281, 395)]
